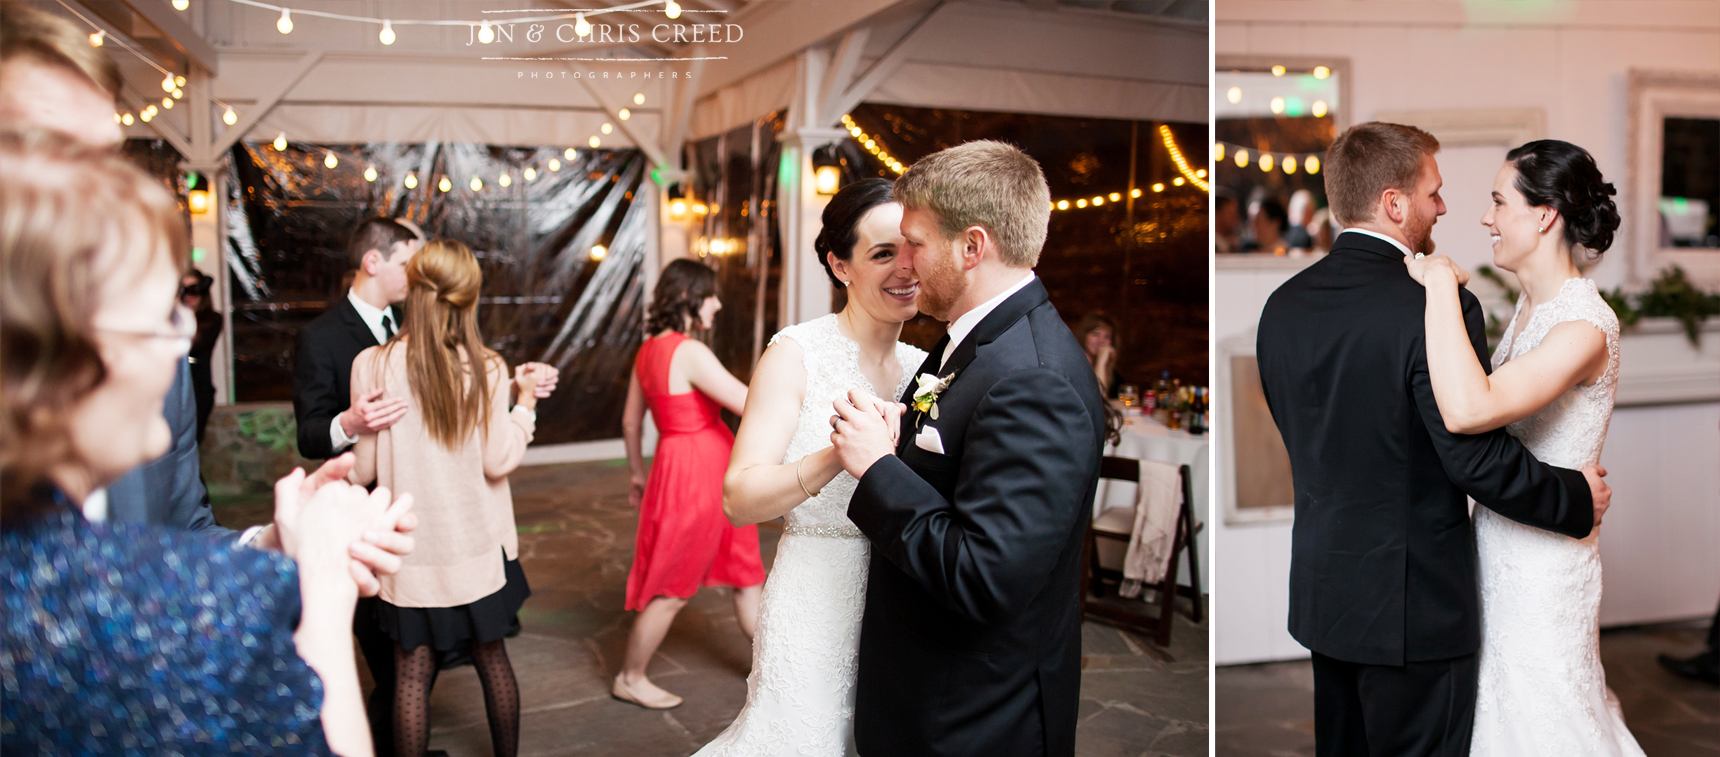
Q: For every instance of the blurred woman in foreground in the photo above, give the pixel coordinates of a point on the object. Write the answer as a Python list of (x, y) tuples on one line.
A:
[(123, 637)]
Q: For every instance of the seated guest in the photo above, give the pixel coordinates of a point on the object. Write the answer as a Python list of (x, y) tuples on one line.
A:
[(1096, 334), (1270, 223), (452, 450), (123, 636)]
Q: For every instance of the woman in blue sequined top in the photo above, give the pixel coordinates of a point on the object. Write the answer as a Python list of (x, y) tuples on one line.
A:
[(128, 639)]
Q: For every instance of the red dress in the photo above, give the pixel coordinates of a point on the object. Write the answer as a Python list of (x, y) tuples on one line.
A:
[(685, 541)]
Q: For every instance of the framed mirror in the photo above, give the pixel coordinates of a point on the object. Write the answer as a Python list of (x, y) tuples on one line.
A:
[(1673, 202)]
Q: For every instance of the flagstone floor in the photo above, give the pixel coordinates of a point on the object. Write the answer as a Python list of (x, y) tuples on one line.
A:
[(1268, 710), (576, 543)]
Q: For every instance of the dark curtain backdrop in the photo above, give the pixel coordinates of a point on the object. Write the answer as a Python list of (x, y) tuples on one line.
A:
[(545, 297), (1144, 265)]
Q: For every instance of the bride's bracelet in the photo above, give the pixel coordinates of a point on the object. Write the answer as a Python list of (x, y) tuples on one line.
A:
[(802, 478)]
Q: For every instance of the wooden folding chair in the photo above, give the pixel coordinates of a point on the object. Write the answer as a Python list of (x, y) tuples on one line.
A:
[(1153, 620)]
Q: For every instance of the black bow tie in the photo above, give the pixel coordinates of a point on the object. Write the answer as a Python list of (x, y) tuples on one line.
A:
[(387, 327)]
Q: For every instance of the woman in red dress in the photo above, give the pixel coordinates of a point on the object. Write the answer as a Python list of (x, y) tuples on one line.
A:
[(685, 541)]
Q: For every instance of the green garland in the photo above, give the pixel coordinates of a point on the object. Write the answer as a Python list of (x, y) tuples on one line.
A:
[(1670, 296)]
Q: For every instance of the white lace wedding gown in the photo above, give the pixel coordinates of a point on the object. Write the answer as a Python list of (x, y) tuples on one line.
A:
[(1542, 691), (800, 695)]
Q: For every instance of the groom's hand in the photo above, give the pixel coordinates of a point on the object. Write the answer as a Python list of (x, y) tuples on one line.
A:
[(1599, 489), (862, 432)]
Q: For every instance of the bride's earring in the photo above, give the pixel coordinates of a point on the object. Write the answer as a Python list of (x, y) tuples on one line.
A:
[(1541, 230), (847, 283)]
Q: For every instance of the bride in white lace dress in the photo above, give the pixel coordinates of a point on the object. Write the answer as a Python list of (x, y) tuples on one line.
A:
[(800, 695), (1541, 689)]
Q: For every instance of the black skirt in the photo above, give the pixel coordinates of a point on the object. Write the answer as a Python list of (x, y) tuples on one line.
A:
[(454, 628)]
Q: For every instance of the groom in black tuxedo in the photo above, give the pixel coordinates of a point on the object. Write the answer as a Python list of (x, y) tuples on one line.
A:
[(971, 640), (1382, 564)]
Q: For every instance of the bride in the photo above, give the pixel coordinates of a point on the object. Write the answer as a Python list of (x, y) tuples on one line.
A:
[(1541, 687), (800, 695)]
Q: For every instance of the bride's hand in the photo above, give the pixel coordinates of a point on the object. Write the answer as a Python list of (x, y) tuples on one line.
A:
[(1434, 265)]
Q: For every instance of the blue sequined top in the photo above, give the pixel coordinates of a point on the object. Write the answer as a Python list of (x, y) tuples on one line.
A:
[(125, 639)]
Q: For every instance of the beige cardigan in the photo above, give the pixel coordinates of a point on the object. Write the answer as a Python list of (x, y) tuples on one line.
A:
[(465, 511)]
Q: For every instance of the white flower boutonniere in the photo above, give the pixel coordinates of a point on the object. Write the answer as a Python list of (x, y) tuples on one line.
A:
[(926, 395)]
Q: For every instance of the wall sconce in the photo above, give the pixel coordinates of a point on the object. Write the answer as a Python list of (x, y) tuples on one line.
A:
[(678, 204), (826, 170), (198, 200)]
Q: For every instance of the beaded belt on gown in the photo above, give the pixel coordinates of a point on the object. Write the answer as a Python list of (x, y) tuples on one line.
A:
[(848, 531)]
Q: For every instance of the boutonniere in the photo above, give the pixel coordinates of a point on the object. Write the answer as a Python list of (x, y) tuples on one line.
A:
[(926, 395)]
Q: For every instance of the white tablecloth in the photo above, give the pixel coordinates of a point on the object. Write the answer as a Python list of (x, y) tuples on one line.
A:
[(1146, 439)]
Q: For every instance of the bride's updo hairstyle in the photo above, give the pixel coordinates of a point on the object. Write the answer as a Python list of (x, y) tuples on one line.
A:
[(1564, 177), (842, 219)]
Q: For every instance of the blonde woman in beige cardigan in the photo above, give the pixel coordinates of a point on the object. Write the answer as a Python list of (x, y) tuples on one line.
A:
[(453, 451)]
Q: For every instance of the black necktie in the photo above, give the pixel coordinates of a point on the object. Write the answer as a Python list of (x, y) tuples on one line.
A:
[(387, 327)]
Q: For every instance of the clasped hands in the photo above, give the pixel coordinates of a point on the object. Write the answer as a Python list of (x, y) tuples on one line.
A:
[(864, 430), (328, 525)]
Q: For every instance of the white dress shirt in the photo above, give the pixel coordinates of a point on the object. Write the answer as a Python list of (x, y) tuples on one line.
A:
[(372, 317), (1376, 235), (966, 323)]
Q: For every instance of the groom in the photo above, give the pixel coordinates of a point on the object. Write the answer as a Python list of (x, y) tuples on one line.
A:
[(971, 641), (1382, 562)]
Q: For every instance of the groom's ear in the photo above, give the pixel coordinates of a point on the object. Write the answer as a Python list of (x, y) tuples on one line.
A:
[(1394, 205), (974, 242)]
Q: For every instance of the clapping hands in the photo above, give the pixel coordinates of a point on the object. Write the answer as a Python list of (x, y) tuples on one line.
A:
[(864, 430), (336, 530), (536, 379)]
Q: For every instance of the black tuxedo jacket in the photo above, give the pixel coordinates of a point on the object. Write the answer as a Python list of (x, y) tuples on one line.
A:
[(971, 640), (1382, 560), (322, 374), (168, 491)]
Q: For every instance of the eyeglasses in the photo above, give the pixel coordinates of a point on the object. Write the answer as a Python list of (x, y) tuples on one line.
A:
[(181, 327)]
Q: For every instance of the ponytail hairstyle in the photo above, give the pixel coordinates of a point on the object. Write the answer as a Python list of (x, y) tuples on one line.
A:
[(842, 220), (681, 291), (447, 364), (1564, 177)]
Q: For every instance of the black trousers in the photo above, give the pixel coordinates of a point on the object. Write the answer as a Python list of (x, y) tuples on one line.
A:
[(1422, 709), (378, 651)]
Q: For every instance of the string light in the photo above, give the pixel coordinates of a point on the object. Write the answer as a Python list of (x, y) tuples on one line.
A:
[(1289, 163), (1178, 181), (530, 173), (178, 94), (486, 35), (411, 181), (1266, 163), (672, 9), (281, 142), (594, 142), (570, 154), (167, 102), (1234, 95), (229, 117), (581, 26), (1218, 152), (639, 98), (872, 146), (598, 251), (1319, 108), (126, 119), (445, 185), (1181, 162), (477, 184), (331, 161), (167, 83), (1158, 187), (1277, 70), (370, 173), (180, 5), (505, 180), (555, 165), (1241, 158), (285, 25), (624, 114), (1135, 192), (1277, 105), (1321, 72), (1311, 164), (606, 128), (97, 37), (386, 36)]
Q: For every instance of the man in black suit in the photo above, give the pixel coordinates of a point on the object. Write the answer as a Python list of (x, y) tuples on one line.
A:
[(1383, 582), (971, 639)]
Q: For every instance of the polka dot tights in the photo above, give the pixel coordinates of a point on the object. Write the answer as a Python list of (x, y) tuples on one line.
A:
[(415, 672)]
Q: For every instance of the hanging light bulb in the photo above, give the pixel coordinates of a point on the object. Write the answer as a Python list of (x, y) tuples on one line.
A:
[(386, 36), (179, 81), (624, 114), (505, 180), (1241, 158), (445, 185), (167, 83), (167, 102), (1289, 164), (530, 173), (1266, 162), (178, 94), (331, 161), (230, 117), (1319, 109), (1234, 95), (97, 38), (486, 35), (1311, 164), (1277, 70), (146, 115), (116, 117), (180, 5), (672, 9), (126, 119), (594, 142), (370, 173), (639, 98), (1158, 187), (581, 26), (598, 251), (1135, 192), (570, 153), (1321, 72), (477, 184), (285, 25), (554, 164), (280, 141), (411, 181), (606, 128), (1218, 152)]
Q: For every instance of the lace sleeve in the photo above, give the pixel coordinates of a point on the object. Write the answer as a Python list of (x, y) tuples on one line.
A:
[(1590, 307)]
